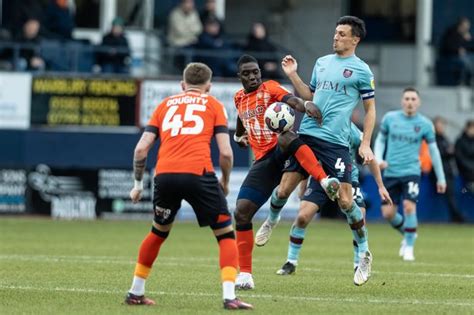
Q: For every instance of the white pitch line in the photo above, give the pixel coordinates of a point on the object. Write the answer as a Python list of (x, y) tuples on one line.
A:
[(257, 296), (124, 261)]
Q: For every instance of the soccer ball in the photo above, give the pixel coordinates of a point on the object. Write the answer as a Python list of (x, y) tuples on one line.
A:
[(279, 117)]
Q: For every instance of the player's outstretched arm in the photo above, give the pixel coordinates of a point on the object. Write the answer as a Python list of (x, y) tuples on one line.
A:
[(375, 170), (226, 159), (379, 149), (290, 67), (307, 107), (139, 163), (369, 122), (438, 167)]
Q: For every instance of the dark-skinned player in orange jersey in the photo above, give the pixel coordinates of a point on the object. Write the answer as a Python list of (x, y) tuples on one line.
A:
[(267, 175)]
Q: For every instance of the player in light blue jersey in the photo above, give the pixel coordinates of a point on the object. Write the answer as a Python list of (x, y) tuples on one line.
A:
[(400, 136), (356, 137), (338, 83)]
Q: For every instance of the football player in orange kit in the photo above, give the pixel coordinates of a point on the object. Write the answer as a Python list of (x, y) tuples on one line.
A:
[(185, 124), (267, 176)]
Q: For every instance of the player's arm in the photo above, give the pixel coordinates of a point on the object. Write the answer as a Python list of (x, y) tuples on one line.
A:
[(369, 122), (290, 67), (375, 170), (438, 167), (139, 162), (303, 106), (240, 135), (226, 159)]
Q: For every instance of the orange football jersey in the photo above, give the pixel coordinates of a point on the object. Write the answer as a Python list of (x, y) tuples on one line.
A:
[(186, 123), (251, 108)]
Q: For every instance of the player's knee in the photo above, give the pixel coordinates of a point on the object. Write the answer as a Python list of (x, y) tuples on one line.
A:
[(241, 216), (387, 214), (409, 206), (345, 203), (285, 139), (283, 192), (303, 219)]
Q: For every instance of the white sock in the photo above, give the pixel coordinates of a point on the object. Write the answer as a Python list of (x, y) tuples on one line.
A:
[(138, 286), (228, 290), (293, 262)]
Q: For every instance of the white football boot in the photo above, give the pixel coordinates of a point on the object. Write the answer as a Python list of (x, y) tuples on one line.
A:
[(408, 254), (264, 232), (403, 245), (362, 272), (244, 281)]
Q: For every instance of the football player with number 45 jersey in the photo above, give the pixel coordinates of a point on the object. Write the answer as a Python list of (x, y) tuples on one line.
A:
[(400, 136), (185, 124)]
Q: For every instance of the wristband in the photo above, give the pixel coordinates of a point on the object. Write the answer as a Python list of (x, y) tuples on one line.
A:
[(305, 102), (138, 185)]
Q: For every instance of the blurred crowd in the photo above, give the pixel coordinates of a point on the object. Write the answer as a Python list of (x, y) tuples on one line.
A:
[(200, 36), (455, 65), (39, 36)]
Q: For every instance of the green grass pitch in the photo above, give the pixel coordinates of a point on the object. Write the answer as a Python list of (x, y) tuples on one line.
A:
[(60, 267)]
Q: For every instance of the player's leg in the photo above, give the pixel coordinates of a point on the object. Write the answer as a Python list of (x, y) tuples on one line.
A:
[(390, 212), (297, 233), (280, 194), (356, 222), (244, 213), (166, 202), (359, 199), (257, 187), (290, 143), (147, 254), (410, 226), (313, 197), (228, 262), (210, 206), (410, 197)]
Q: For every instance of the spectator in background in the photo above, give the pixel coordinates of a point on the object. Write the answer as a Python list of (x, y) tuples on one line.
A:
[(30, 58), (446, 150), (22, 11), (258, 42), (455, 44), (59, 18), (114, 56), (212, 40), (464, 152), (184, 25), (210, 12)]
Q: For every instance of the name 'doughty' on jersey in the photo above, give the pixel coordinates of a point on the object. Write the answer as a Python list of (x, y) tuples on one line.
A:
[(187, 100)]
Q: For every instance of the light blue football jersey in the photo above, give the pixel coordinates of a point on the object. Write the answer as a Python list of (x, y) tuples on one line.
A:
[(338, 85), (355, 141), (404, 135)]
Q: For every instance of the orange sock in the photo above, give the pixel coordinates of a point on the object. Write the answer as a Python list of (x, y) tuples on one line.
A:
[(308, 161), (148, 253), (228, 259), (245, 247)]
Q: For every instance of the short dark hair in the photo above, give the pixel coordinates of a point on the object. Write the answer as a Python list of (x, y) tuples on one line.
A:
[(357, 25), (197, 73), (411, 89), (245, 59)]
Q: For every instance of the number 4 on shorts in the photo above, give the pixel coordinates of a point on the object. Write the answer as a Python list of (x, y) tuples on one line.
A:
[(340, 165)]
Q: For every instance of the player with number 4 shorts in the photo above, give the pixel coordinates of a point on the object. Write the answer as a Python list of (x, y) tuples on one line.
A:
[(400, 137), (339, 81)]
